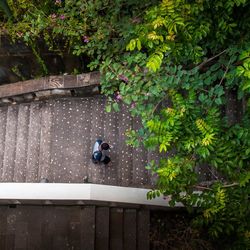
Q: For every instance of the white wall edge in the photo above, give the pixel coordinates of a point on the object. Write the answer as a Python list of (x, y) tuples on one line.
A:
[(81, 192)]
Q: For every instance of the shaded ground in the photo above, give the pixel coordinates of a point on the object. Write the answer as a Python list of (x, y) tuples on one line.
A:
[(172, 230)]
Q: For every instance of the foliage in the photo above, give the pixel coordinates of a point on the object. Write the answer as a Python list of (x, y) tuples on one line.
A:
[(95, 29), (183, 67), (188, 79), (173, 231)]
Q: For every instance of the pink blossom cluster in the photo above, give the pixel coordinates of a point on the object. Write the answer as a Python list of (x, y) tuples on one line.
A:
[(85, 39), (58, 2)]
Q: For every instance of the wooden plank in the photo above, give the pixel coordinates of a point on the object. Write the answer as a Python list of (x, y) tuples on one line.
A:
[(61, 236), (48, 225), (21, 230), (129, 230), (143, 226), (88, 228), (12, 214), (116, 228), (74, 228), (3, 241), (3, 227), (102, 228), (33, 218)]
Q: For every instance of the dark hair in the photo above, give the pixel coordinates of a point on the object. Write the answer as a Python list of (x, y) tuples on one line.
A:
[(105, 146)]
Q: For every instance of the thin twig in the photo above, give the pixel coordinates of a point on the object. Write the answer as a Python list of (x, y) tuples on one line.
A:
[(227, 68), (210, 59), (206, 188), (157, 105), (225, 186), (213, 174), (231, 185)]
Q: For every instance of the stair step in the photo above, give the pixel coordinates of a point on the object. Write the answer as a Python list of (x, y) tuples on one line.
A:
[(112, 136), (10, 144), (44, 171), (140, 174), (85, 112), (22, 143), (67, 149), (153, 155), (34, 137), (97, 171), (125, 170), (60, 142), (3, 117)]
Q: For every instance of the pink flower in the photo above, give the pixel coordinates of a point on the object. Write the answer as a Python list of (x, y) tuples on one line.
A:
[(118, 97), (58, 2), (85, 39), (19, 34), (62, 17), (53, 16), (133, 105), (123, 78)]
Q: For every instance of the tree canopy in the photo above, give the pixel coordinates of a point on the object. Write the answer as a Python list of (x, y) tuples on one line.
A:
[(183, 67)]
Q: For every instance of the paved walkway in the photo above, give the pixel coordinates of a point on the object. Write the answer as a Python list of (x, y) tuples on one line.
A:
[(54, 138)]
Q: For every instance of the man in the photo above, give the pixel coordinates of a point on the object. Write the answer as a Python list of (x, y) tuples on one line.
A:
[(100, 152)]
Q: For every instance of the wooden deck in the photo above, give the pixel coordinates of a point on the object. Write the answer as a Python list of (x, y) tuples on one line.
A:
[(73, 227)]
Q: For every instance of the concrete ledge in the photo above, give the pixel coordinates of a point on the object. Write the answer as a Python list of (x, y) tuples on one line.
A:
[(50, 83), (19, 192)]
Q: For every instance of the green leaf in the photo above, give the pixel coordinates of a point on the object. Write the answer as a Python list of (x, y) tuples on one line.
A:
[(246, 85), (138, 43), (108, 108), (116, 106)]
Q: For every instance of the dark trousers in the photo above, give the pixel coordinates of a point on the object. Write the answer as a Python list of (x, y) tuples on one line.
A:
[(105, 161)]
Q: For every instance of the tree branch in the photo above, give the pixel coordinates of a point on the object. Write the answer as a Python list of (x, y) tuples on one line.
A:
[(210, 59)]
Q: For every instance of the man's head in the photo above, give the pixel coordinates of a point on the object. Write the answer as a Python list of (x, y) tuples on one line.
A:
[(105, 146)]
